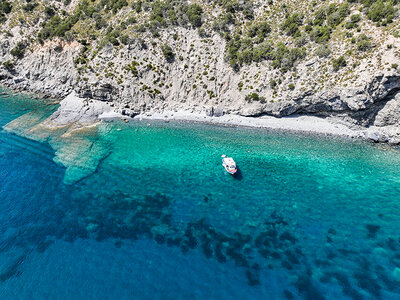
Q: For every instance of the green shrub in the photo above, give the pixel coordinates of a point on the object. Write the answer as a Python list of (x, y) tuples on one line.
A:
[(167, 52), (308, 28), (323, 51), (132, 67), (124, 39), (301, 40), (175, 13), (49, 11), (30, 6), (319, 17), (194, 14), (321, 34), (262, 51), (5, 7), (337, 14), (9, 65), (363, 43), (57, 26), (394, 66), (339, 63), (223, 21), (254, 97), (137, 6), (354, 19), (284, 58), (291, 86), (380, 11), (100, 22), (19, 50), (292, 23), (261, 30)]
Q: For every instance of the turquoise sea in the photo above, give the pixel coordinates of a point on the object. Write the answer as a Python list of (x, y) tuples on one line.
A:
[(145, 210)]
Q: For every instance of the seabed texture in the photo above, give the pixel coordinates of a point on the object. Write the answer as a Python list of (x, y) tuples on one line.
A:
[(145, 210)]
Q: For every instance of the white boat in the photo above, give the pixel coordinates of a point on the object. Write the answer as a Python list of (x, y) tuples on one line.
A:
[(229, 164)]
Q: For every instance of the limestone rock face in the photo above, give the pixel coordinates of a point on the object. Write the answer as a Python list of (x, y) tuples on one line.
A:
[(79, 110), (389, 114)]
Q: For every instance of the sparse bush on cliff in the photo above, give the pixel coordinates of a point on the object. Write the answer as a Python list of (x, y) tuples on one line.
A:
[(222, 23), (339, 63), (319, 17), (194, 14), (354, 19), (240, 51), (292, 23), (57, 27), (263, 51), (254, 97), (30, 6), (381, 11), (168, 52), (364, 43), (49, 11), (175, 12), (100, 22), (285, 58), (337, 13), (9, 65), (19, 50), (124, 39), (321, 34), (5, 7), (137, 6), (322, 51), (259, 30)]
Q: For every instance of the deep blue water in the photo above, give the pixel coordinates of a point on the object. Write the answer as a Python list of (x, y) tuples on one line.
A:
[(146, 211)]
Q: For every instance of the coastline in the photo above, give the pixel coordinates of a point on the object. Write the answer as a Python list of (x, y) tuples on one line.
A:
[(85, 112), (294, 123)]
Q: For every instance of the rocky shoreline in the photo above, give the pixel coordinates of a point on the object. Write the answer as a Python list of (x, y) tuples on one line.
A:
[(82, 112), (371, 111)]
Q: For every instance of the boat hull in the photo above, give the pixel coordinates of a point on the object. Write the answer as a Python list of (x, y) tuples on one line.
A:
[(232, 172)]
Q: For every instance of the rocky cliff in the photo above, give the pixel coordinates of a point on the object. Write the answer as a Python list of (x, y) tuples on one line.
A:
[(250, 58)]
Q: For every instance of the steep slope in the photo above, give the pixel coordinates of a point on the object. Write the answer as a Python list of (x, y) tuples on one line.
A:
[(252, 58)]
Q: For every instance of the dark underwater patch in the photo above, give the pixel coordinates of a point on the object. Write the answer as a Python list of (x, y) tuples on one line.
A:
[(13, 269), (372, 230)]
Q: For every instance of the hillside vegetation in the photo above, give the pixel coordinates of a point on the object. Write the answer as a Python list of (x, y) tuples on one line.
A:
[(270, 49)]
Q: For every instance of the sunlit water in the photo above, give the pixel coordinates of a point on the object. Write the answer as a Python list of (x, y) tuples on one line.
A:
[(146, 211)]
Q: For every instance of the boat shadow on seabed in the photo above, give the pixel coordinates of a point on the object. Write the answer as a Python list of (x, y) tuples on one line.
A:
[(238, 175)]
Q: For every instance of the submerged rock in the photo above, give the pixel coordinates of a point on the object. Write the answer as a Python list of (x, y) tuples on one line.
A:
[(396, 274)]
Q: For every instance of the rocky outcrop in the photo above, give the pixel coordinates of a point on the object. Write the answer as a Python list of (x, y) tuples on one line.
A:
[(78, 110)]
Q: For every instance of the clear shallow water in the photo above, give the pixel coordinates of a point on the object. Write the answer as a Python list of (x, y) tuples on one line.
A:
[(146, 211)]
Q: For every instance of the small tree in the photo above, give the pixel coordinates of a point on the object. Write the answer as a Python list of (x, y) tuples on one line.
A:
[(254, 97), (168, 52), (339, 63), (19, 50), (194, 13), (9, 65)]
